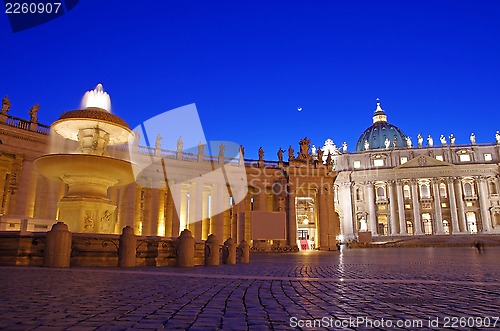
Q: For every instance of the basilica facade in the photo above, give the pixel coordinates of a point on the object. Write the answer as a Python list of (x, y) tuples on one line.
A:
[(392, 187)]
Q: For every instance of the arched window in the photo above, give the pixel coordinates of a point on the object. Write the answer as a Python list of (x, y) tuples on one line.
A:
[(380, 192), (407, 191), (424, 191), (468, 192), (442, 190), (359, 194), (493, 188)]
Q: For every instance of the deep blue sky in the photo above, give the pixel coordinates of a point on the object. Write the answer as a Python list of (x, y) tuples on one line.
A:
[(248, 65)]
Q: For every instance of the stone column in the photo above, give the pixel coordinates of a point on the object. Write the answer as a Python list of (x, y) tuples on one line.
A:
[(401, 208), (169, 212), (292, 218), (137, 210), (453, 206), (25, 190), (175, 194), (461, 207), (262, 198), (392, 202), (240, 220), (161, 212), (199, 204), (126, 207), (484, 204), (155, 211), (205, 223), (416, 208), (3, 193), (184, 213), (437, 207), (322, 220), (372, 218), (146, 216), (345, 201), (218, 225)]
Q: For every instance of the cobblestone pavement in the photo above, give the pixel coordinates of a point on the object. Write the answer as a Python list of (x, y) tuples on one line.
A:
[(453, 288)]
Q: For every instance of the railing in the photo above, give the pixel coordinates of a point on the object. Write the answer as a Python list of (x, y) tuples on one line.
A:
[(18, 122)]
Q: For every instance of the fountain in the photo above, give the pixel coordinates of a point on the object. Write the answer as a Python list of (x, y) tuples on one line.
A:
[(89, 170)]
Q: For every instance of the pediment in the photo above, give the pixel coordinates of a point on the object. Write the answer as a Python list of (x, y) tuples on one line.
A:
[(423, 161)]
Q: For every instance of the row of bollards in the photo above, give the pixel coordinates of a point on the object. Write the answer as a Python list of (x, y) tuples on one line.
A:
[(57, 253), (230, 252)]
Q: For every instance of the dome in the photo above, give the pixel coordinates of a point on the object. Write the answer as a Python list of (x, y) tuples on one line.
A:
[(379, 131)]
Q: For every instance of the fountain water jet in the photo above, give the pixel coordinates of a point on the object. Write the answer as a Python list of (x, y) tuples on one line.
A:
[(89, 171)]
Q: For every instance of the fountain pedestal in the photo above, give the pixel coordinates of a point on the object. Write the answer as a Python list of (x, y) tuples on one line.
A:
[(88, 171)]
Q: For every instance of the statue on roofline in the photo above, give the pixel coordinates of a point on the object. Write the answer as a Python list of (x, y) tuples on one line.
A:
[(6, 105), (261, 153), (34, 113)]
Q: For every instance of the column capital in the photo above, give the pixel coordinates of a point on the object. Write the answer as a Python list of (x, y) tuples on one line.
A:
[(399, 182)]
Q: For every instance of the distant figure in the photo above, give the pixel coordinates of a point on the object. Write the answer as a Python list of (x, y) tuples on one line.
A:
[(329, 159), (479, 246), (430, 141), (395, 142), (291, 153), (472, 138), (320, 155), (222, 148), (344, 147), (261, 154), (6, 105), (387, 143), (313, 150), (408, 142), (367, 145), (137, 138), (420, 140), (280, 155), (443, 140), (201, 148), (34, 113), (452, 140), (158, 141), (180, 144)]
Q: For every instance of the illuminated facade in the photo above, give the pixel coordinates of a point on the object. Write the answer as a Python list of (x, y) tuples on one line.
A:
[(399, 189), (387, 185), (297, 193)]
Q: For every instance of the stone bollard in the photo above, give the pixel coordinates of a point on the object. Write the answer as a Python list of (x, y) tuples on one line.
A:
[(185, 250), (57, 253), (127, 248), (244, 252), (229, 252), (212, 250)]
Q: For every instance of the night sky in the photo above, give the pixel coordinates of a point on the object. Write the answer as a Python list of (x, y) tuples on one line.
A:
[(249, 65)]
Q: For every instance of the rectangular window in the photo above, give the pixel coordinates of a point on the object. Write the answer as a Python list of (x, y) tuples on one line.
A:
[(378, 163), (443, 204), (357, 164), (487, 157), (439, 157), (407, 206), (404, 159), (468, 204), (464, 158)]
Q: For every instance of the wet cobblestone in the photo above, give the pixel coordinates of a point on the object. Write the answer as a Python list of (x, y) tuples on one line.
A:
[(361, 286)]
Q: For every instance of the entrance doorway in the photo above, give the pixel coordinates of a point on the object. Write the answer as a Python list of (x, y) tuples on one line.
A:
[(305, 209), (471, 222)]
